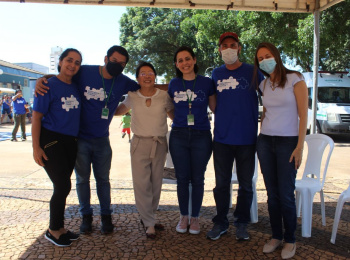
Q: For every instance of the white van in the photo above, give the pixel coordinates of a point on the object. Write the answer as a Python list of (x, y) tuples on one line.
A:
[(333, 102)]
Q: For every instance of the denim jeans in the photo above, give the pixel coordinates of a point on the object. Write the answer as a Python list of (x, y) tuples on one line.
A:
[(224, 156), (279, 176), (190, 151), (97, 152)]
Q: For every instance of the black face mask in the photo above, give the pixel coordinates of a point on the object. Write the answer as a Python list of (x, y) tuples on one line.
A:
[(114, 68)]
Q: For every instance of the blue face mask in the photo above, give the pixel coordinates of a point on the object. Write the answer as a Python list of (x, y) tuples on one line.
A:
[(268, 65)]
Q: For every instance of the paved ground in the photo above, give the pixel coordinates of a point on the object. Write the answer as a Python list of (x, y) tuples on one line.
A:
[(25, 191)]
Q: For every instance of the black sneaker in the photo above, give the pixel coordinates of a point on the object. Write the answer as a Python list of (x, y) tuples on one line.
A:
[(62, 241), (106, 224), (13, 140), (216, 232), (86, 224), (241, 232), (71, 236)]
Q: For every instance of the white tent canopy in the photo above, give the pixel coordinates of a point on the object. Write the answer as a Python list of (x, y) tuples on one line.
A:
[(299, 6), (291, 6)]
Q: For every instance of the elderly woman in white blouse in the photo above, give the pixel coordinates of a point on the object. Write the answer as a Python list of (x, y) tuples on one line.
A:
[(150, 107)]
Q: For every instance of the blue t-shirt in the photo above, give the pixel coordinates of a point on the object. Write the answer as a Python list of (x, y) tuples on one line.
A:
[(5, 105), (203, 88), (93, 99), (18, 106), (236, 112), (60, 106)]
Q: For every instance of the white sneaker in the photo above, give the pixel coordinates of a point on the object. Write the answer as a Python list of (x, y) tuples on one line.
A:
[(182, 225)]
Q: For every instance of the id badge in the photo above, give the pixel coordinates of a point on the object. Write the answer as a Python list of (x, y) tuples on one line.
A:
[(105, 112), (190, 119)]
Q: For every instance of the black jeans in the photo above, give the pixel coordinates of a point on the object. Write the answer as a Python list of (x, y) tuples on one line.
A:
[(224, 156), (61, 151)]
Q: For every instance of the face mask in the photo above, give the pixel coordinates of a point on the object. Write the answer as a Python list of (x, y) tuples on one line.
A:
[(114, 68), (268, 65), (229, 56)]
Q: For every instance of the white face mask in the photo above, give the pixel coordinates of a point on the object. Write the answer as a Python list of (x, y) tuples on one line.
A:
[(229, 56)]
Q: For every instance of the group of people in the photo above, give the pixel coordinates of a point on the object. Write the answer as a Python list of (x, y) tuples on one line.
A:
[(231, 94), (20, 108)]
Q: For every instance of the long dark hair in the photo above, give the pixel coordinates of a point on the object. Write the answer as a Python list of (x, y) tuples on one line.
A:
[(190, 51), (280, 71)]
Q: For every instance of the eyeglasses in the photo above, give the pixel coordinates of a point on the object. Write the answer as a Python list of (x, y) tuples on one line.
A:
[(150, 74)]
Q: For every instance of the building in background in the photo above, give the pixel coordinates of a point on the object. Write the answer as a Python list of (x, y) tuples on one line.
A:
[(14, 77), (54, 59), (34, 66)]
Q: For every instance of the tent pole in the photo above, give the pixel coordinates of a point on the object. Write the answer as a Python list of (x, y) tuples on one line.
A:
[(315, 68)]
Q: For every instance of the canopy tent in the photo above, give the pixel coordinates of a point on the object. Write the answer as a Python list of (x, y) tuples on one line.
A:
[(296, 6), (299, 6)]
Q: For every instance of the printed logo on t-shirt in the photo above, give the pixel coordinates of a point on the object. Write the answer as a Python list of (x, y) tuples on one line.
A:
[(182, 95), (69, 103), (239, 83), (94, 93), (20, 101)]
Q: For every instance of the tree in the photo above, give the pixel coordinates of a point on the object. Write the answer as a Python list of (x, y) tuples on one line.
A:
[(153, 34)]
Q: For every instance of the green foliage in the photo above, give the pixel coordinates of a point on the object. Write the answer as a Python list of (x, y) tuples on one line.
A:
[(154, 34)]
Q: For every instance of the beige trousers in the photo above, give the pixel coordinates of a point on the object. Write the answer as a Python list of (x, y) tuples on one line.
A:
[(148, 156)]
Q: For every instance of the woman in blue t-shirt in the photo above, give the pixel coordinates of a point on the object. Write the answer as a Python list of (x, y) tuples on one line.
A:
[(55, 127), (190, 142)]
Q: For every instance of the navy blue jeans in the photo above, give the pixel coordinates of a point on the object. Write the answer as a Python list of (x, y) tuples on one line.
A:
[(279, 176), (98, 153), (190, 151), (224, 156)]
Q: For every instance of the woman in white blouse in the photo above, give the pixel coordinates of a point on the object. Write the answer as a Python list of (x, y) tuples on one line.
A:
[(280, 143), (150, 107)]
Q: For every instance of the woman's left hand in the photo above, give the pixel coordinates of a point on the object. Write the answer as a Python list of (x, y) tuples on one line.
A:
[(297, 155)]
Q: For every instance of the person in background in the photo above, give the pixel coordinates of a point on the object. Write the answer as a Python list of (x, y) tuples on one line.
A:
[(150, 107), (19, 110), (101, 88), (190, 142), (126, 120), (280, 143), (235, 134), (55, 129), (6, 108)]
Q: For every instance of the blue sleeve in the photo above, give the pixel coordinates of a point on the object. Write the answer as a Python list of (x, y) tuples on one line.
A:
[(170, 91), (212, 89), (133, 85), (42, 103)]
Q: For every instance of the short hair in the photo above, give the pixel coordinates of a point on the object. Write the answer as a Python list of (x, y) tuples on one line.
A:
[(120, 50), (144, 64), (65, 54), (17, 90), (188, 49)]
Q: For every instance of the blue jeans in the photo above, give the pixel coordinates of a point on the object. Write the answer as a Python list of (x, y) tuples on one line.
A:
[(190, 151), (224, 156), (97, 152), (279, 176)]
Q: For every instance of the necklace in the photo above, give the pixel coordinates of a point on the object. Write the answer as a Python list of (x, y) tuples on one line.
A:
[(273, 87)]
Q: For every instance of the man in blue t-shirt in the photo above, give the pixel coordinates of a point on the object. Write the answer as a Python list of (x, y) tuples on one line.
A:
[(101, 88), (19, 111), (235, 135)]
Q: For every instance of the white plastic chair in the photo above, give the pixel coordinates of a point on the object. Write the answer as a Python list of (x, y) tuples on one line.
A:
[(345, 196), (311, 182), (234, 180)]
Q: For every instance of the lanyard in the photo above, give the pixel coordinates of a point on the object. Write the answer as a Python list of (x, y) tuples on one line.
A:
[(104, 88), (189, 99)]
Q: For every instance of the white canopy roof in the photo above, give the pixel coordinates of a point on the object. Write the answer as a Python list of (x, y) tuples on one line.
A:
[(298, 6)]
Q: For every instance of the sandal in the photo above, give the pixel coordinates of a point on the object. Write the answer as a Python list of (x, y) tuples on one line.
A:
[(148, 235)]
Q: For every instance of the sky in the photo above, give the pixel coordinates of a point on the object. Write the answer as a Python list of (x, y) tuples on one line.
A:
[(28, 31)]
